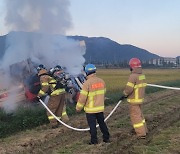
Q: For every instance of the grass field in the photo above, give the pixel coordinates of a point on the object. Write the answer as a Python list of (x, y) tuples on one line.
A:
[(161, 111), (116, 78)]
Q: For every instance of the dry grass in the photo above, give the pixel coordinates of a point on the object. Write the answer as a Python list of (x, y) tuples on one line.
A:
[(116, 78)]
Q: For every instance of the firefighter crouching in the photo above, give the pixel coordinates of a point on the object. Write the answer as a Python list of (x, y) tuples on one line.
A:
[(57, 95), (92, 99), (58, 71), (134, 92)]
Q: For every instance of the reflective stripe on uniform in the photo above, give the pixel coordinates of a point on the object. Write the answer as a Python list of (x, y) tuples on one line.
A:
[(83, 92), (57, 92), (79, 105), (50, 117), (90, 107), (42, 92), (64, 113), (140, 85), (91, 101), (135, 100), (53, 85), (98, 92), (94, 109), (136, 94), (53, 81), (44, 83), (138, 125), (130, 84), (142, 77)]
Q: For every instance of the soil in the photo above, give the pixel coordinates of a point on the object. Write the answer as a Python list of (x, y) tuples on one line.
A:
[(45, 140)]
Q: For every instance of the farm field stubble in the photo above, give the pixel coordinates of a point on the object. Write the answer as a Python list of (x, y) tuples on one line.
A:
[(161, 111), (116, 79)]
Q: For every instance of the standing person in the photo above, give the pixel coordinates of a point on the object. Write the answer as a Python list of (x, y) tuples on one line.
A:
[(134, 92), (57, 95), (92, 99)]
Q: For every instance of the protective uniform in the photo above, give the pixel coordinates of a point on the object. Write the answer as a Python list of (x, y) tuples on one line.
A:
[(92, 100), (58, 70), (135, 90), (64, 116), (57, 96)]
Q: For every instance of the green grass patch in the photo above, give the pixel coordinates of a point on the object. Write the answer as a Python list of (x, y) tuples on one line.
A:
[(22, 119), (123, 122), (167, 141), (173, 83), (162, 106), (116, 79)]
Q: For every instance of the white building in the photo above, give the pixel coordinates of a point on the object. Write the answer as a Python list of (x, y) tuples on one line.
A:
[(164, 61), (178, 60), (169, 60)]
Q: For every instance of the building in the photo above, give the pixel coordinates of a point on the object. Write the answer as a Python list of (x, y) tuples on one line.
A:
[(178, 61), (164, 61)]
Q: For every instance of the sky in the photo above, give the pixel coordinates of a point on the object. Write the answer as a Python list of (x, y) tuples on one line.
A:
[(153, 25)]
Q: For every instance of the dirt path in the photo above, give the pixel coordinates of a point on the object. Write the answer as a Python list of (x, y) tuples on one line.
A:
[(64, 140)]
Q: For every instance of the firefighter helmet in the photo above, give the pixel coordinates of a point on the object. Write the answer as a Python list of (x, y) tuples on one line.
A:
[(51, 71), (58, 68), (134, 63), (89, 69), (40, 67)]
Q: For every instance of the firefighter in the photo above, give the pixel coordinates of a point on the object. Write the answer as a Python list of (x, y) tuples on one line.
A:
[(134, 92), (92, 100), (57, 71), (57, 95)]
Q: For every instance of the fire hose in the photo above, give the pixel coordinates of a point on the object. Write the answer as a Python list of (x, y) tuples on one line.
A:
[(70, 127), (165, 87), (87, 129)]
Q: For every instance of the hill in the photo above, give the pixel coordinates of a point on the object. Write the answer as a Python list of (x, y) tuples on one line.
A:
[(101, 49)]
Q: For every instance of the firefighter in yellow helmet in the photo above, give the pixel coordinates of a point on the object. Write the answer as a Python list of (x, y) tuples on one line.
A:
[(92, 100), (57, 94), (134, 92)]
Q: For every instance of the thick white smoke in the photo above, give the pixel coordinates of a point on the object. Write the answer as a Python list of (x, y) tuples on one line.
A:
[(46, 16), (46, 49), (37, 31), (47, 21)]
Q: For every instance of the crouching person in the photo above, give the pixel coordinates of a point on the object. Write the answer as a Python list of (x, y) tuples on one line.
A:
[(92, 99), (57, 95)]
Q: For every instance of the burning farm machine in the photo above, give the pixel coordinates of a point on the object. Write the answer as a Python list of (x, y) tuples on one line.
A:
[(25, 84)]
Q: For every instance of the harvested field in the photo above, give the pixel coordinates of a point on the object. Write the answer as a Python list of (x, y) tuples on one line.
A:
[(162, 115), (161, 110)]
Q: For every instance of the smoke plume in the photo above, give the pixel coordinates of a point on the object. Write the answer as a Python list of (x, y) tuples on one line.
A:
[(37, 30), (46, 16), (45, 49), (41, 26)]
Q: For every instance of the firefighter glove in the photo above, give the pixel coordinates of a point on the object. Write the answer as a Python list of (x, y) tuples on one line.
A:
[(123, 97), (38, 97)]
